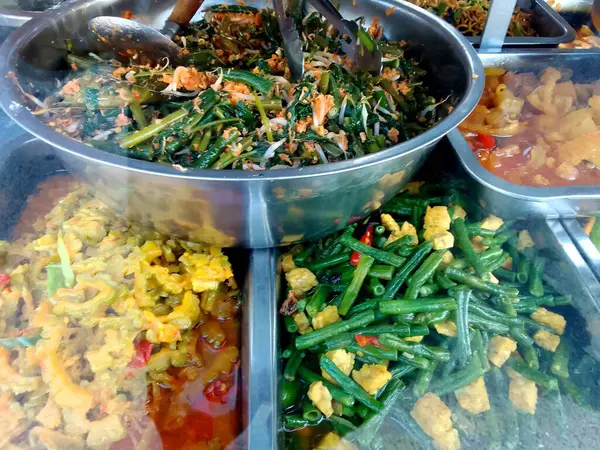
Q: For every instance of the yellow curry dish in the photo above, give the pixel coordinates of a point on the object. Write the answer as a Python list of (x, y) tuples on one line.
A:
[(113, 336)]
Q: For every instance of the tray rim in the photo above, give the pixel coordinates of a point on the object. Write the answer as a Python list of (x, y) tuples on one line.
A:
[(569, 33), (14, 18)]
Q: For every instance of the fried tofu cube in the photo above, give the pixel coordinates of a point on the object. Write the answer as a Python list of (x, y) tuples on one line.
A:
[(447, 441), (458, 212), (343, 359), (396, 231), (332, 441), (447, 258), (287, 262), (489, 276), (492, 223), (390, 223), (500, 349), (447, 328), (301, 280), (546, 340), (474, 397), (437, 217), (372, 377), (321, 398), (440, 238), (413, 187), (550, 319), (525, 240), (522, 393), (302, 323), (477, 245), (408, 229), (326, 317), (435, 418)]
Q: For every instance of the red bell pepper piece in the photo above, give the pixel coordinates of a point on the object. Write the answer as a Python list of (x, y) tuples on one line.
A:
[(363, 341), (487, 140), (143, 351), (4, 282), (366, 239)]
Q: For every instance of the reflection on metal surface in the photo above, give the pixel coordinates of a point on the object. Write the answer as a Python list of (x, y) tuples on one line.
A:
[(260, 376), (14, 18), (514, 201), (307, 202)]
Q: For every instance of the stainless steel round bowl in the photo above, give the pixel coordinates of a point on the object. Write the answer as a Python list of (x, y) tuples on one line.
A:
[(252, 209)]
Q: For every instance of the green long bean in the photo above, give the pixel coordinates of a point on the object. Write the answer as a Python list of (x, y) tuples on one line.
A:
[(477, 283), (406, 270), (464, 243), (414, 348), (463, 342), (379, 255), (316, 337), (423, 273), (350, 295), (415, 306)]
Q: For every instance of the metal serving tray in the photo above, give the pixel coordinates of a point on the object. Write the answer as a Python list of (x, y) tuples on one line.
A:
[(513, 201), (26, 162), (551, 27), (576, 430)]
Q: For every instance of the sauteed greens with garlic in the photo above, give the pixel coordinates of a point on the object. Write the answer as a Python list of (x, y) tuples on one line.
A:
[(231, 105)]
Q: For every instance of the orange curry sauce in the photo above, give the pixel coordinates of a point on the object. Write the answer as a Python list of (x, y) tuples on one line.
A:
[(200, 409), (508, 157)]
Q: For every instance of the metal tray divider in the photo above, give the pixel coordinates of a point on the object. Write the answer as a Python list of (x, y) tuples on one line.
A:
[(496, 25), (586, 247), (260, 399), (577, 272)]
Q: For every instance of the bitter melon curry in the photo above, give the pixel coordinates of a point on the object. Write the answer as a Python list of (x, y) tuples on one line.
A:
[(229, 102), (114, 336)]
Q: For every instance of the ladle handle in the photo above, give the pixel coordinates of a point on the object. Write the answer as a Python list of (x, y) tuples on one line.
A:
[(184, 11)]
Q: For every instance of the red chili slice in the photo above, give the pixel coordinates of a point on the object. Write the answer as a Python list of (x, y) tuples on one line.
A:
[(143, 351), (363, 341), (488, 141), (366, 239)]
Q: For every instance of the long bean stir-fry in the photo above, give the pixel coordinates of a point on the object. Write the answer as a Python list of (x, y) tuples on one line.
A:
[(418, 310), (230, 103)]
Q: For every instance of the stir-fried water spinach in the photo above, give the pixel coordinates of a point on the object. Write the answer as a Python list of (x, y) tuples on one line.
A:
[(230, 103)]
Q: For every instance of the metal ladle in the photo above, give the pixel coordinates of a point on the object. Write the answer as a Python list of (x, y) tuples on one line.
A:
[(128, 37)]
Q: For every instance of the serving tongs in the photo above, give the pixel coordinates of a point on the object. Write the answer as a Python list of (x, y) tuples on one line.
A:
[(363, 53), (292, 44)]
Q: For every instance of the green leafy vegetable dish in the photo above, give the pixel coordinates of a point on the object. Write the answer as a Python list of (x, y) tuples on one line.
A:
[(231, 105), (435, 314)]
